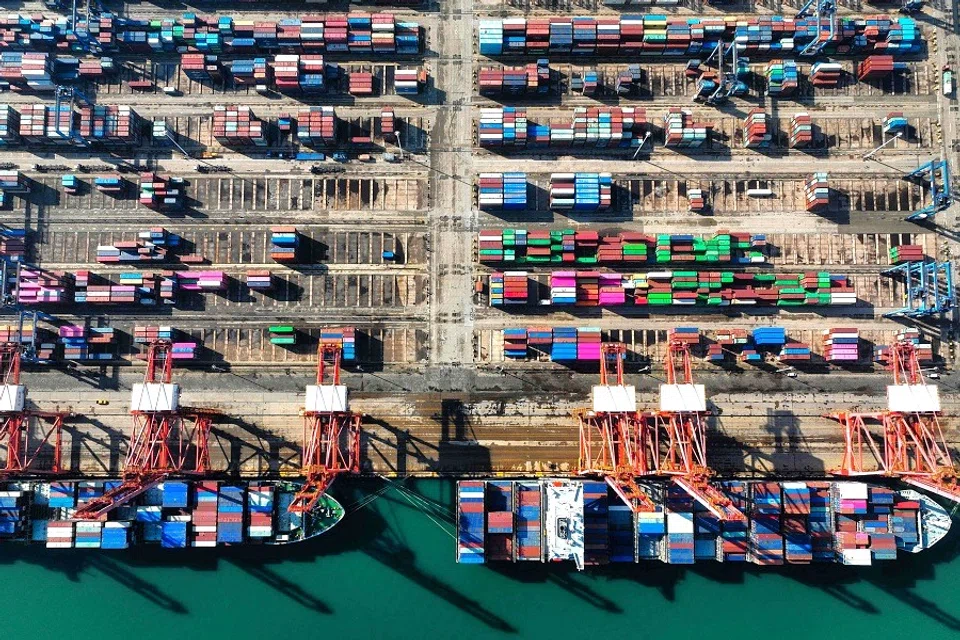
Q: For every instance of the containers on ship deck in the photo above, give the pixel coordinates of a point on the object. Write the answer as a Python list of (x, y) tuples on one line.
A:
[(230, 514), (596, 540), (470, 517), (499, 514), (785, 522), (529, 525)]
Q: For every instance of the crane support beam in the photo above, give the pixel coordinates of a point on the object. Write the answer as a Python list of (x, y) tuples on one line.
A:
[(165, 439), (914, 449), (928, 288), (331, 435)]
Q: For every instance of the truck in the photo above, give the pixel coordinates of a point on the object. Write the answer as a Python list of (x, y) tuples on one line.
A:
[(340, 156), (310, 157), (946, 83)]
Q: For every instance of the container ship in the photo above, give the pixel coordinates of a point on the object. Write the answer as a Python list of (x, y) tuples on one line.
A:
[(583, 521), (171, 515)]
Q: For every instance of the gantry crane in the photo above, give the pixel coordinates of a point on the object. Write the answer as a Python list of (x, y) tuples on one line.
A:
[(821, 10), (681, 433), (18, 424), (913, 447), (331, 432), (614, 439), (165, 438)]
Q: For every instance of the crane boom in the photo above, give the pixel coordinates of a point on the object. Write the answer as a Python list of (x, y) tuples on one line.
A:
[(680, 420)]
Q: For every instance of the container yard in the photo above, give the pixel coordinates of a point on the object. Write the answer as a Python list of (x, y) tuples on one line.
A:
[(484, 242)]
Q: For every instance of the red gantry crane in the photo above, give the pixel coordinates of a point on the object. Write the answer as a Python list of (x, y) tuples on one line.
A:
[(331, 432), (614, 441), (681, 435), (17, 424), (914, 449), (165, 438)]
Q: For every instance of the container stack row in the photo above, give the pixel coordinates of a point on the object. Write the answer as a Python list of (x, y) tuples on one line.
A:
[(826, 75), (237, 125), (581, 191), (507, 191), (680, 538), (83, 343), (27, 70), (317, 126), (108, 124), (509, 288), (503, 127), (841, 345), (500, 512), (794, 352), (895, 122), (711, 288), (682, 131), (9, 125), (145, 334), (529, 524), (654, 34), (130, 251), (881, 352), (470, 517), (877, 67), (696, 200), (346, 337), (47, 124), (35, 286), (161, 192), (596, 516), (284, 241), (361, 84), (906, 253), (259, 279), (756, 131), (801, 130), (13, 244), (201, 67), (294, 73), (282, 335), (782, 78), (250, 72), (816, 192), (407, 82), (534, 78), (562, 344), (364, 33)]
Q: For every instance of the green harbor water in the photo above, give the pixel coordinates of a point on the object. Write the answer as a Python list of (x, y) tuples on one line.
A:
[(388, 571)]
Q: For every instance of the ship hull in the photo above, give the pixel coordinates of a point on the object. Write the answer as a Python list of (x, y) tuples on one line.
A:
[(176, 514), (777, 523)]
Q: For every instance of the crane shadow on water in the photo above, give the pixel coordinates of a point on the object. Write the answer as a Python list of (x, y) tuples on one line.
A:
[(75, 564)]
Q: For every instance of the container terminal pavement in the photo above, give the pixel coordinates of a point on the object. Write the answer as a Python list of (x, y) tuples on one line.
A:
[(448, 215)]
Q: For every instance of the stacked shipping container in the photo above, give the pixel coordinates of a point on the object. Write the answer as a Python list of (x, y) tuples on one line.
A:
[(661, 35), (841, 345)]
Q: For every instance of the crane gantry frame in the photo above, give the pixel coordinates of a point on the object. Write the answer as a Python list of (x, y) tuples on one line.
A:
[(913, 446)]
